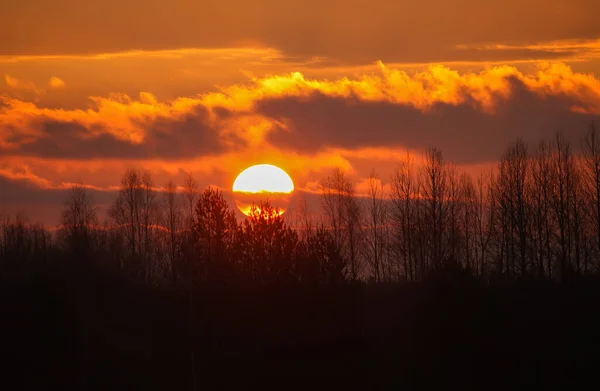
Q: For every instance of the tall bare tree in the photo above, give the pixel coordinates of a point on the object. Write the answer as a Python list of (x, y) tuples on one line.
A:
[(542, 219), (591, 166), (333, 190), (485, 219), (191, 193), (149, 221), (172, 218), (467, 202), (403, 214), (78, 221), (513, 178), (435, 194), (377, 218), (135, 213), (453, 200), (126, 211), (562, 198), (343, 212)]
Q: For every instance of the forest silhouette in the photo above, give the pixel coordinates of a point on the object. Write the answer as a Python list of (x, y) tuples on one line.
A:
[(442, 279)]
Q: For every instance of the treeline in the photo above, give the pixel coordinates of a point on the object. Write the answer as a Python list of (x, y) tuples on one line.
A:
[(162, 237), (477, 282), (536, 215)]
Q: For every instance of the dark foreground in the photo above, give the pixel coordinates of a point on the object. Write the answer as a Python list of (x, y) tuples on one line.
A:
[(92, 331)]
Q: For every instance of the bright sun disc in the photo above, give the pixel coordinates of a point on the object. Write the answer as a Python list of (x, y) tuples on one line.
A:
[(262, 182)]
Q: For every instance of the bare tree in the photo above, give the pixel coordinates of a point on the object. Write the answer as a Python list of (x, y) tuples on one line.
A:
[(435, 194), (512, 193), (377, 217), (591, 160), (304, 221), (578, 221), (562, 198), (453, 200), (125, 212), (343, 212), (353, 212), (467, 202), (403, 194), (484, 219), (333, 200), (135, 213), (540, 196), (78, 221), (149, 221), (191, 193), (173, 221)]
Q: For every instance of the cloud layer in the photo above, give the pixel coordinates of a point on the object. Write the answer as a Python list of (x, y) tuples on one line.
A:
[(352, 32), (437, 106), (305, 125)]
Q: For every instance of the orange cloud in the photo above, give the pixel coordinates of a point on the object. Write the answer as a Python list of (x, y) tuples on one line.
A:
[(582, 48), (421, 89), (17, 84), (56, 82), (380, 116)]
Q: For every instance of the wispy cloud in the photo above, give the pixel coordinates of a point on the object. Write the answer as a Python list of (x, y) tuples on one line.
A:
[(14, 83)]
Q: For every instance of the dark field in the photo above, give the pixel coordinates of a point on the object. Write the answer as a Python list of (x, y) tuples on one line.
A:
[(93, 331)]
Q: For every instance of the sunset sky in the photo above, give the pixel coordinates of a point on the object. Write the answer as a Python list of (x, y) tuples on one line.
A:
[(88, 89)]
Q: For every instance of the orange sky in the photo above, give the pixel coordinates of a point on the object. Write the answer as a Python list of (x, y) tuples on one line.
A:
[(89, 89)]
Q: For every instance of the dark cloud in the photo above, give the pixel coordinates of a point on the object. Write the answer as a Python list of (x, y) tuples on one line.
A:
[(23, 192), (166, 138), (464, 132), (43, 205), (222, 112)]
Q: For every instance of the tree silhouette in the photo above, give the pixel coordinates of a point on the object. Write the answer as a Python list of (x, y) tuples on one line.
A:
[(435, 193), (78, 222), (172, 219), (344, 215), (215, 229), (268, 244), (376, 236), (135, 213), (323, 264), (404, 197), (190, 195), (591, 180)]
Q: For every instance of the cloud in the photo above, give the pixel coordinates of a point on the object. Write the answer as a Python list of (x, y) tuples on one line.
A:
[(393, 30), (191, 135), (464, 131), (17, 84), (22, 173), (576, 48), (470, 115), (56, 82), (306, 125)]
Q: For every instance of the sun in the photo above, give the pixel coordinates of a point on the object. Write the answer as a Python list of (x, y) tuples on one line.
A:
[(262, 182)]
